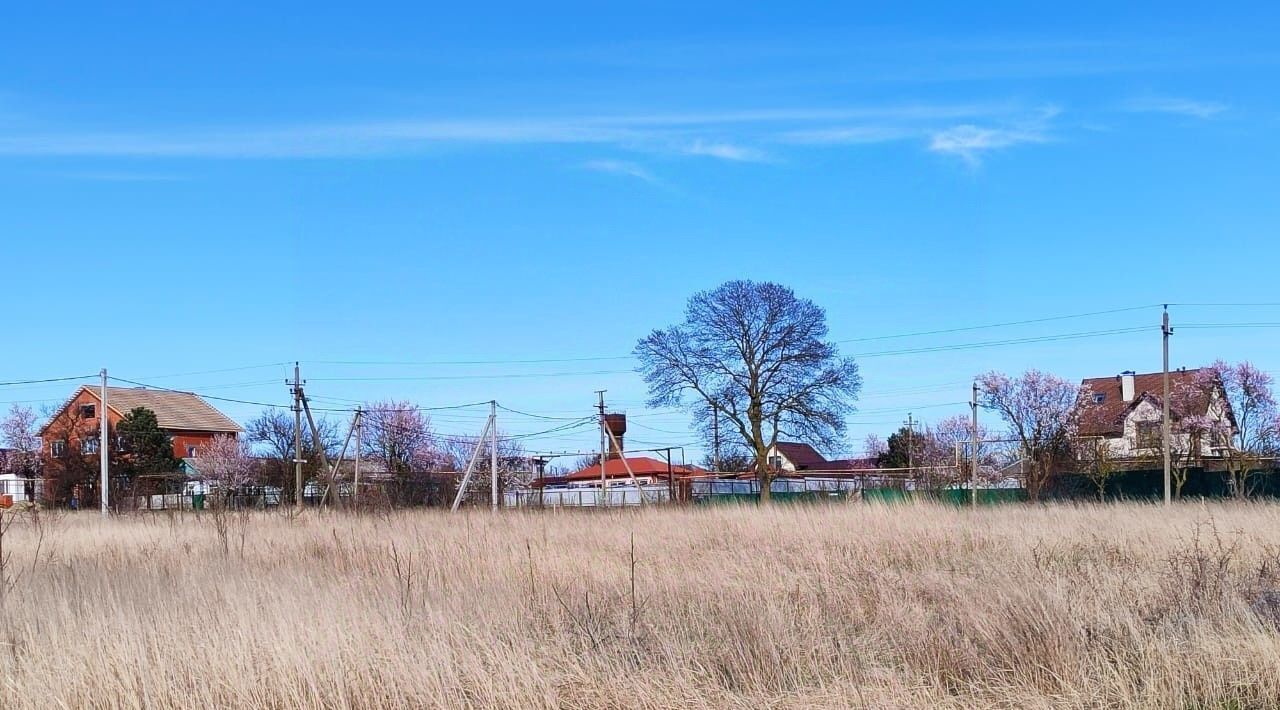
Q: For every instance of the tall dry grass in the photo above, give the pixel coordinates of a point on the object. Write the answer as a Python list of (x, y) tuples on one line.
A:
[(840, 606)]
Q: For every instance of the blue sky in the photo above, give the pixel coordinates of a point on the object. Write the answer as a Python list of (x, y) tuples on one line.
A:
[(186, 189)]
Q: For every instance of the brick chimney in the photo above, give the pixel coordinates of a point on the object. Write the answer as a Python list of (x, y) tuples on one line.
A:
[(1126, 386), (617, 424)]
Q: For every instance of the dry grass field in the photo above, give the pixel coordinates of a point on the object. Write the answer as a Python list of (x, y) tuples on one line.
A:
[(795, 607)]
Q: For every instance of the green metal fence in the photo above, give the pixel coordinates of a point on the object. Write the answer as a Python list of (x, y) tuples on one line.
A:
[(883, 496)]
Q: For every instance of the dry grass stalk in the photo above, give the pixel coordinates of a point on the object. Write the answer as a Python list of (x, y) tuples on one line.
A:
[(838, 606)]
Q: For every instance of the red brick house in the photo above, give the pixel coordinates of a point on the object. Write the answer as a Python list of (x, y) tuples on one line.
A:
[(188, 419)]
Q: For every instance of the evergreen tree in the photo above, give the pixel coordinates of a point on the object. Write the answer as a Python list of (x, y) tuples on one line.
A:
[(895, 454), (146, 448)]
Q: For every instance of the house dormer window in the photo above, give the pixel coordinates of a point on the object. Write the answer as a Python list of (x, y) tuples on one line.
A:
[(1099, 397)]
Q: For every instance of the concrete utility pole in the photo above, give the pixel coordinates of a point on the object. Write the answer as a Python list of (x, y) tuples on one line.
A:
[(297, 436), (604, 443), (355, 492), (493, 453), (1164, 422), (911, 434), (471, 465), (973, 453), (329, 471), (103, 445)]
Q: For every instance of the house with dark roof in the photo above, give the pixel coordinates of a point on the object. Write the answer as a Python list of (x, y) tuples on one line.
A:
[(188, 420), (1126, 411), (790, 457)]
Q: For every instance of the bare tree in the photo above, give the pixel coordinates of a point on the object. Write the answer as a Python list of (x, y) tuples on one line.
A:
[(1097, 462), (1042, 412), (758, 355), (873, 446), (18, 434), (735, 460), (1255, 437), (272, 432), (71, 472), (515, 468), (946, 447)]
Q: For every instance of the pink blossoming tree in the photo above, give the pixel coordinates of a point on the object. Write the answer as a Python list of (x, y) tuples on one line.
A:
[(1042, 412)]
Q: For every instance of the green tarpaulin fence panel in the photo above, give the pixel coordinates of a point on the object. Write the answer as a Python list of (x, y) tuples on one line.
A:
[(885, 495), (777, 496), (956, 496)]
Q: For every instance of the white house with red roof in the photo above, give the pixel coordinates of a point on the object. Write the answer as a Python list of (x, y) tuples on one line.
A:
[(1126, 411)]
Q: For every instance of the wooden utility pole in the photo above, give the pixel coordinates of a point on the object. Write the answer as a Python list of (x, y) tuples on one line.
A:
[(604, 483), (1164, 422)]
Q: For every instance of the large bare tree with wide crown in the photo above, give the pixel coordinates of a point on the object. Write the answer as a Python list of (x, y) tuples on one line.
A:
[(757, 355)]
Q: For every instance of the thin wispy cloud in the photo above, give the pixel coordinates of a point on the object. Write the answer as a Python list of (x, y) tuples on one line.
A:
[(970, 142), (642, 132), (621, 167), (118, 176), (1175, 106), (849, 135), (725, 151)]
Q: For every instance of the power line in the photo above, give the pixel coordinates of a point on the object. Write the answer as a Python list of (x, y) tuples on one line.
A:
[(49, 379), (1028, 321), (372, 409), (1011, 341), (581, 423), (536, 416), (213, 372), (1224, 305), (660, 431), (509, 376), (537, 361), (206, 396), (1270, 324)]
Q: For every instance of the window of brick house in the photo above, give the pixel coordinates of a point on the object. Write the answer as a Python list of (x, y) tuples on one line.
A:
[(88, 411), (57, 448)]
